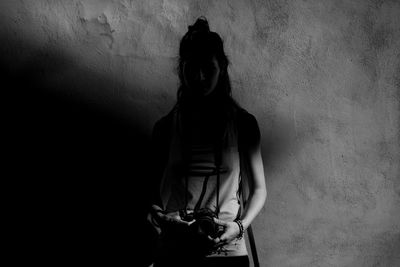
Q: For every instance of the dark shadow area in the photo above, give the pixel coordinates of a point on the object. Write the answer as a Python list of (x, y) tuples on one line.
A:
[(76, 165), (76, 160)]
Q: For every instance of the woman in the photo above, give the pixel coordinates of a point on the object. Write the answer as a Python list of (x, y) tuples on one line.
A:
[(197, 149)]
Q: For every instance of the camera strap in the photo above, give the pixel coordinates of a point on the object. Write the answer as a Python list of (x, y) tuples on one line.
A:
[(216, 171), (217, 160), (243, 174), (217, 150), (243, 186)]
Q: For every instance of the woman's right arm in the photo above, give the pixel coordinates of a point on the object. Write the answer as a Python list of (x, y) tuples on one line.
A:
[(157, 160), (159, 152)]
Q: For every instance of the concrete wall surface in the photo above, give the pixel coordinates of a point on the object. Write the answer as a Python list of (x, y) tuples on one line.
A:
[(322, 78)]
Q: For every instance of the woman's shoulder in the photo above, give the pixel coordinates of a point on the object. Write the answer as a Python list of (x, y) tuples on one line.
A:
[(249, 131), (245, 118), (164, 122)]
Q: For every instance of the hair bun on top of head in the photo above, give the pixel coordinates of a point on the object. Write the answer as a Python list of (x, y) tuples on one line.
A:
[(199, 42), (201, 25)]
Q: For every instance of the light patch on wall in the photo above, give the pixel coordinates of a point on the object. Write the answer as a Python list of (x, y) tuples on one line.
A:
[(93, 8), (94, 19), (174, 11)]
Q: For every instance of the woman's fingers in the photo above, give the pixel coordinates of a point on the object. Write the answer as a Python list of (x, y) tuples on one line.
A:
[(224, 237), (220, 222), (175, 219), (218, 241), (229, 233), (181, 222)]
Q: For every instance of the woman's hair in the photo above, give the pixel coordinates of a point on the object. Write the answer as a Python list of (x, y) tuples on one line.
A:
[(201, 43)]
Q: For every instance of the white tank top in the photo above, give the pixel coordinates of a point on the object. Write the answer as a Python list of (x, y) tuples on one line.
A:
[(183, 187)]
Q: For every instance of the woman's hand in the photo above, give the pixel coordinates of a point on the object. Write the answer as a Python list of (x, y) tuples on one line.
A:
[(173, 218), (230, 232), (169, 219)]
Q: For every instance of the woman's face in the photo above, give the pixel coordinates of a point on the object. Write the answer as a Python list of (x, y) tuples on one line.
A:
[(201, 76)]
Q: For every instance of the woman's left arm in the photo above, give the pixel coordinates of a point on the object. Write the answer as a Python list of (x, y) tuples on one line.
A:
[(257, 185)]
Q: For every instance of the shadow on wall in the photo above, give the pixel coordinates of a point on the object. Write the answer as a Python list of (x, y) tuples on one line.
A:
[(78, 166), (78, 163)]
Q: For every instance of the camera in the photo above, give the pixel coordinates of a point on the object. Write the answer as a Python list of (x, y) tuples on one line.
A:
[(203, 226)]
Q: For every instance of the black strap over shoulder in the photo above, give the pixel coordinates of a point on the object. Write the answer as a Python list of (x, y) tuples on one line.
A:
[(244, 177)]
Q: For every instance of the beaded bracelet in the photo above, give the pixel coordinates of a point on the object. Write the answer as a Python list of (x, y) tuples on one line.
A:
[(241, 229)]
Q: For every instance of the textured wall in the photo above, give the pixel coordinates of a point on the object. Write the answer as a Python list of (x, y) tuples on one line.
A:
[(322, 77)]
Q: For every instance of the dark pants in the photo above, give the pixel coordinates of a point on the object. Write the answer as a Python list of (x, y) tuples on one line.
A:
[(181, 249), (240, 261)]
